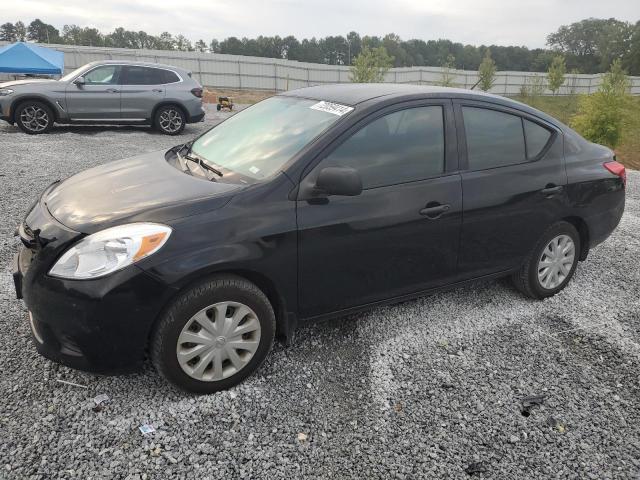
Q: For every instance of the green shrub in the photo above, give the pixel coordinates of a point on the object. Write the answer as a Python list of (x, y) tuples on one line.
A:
[(487, 72), (371, 65), (556, 74), (601, 115)]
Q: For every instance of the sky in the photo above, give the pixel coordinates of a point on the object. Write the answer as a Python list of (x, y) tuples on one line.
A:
[(500, 22)]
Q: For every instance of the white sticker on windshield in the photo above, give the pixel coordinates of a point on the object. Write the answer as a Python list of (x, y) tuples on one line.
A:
[(254, 170), (334, 108)]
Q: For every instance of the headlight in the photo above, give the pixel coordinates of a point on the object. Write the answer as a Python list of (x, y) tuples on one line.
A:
[(5, 91), (109, 250)]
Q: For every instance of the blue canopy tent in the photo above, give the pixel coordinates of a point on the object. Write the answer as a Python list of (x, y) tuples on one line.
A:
[(27, 58)]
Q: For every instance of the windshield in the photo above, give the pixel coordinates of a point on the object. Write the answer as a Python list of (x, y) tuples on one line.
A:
[(259, 140), (72, 75)]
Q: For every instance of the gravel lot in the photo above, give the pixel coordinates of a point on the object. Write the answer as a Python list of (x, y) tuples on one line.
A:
[(425, 389)]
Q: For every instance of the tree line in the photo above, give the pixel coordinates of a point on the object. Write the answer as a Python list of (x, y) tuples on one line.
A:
[(588, 46)]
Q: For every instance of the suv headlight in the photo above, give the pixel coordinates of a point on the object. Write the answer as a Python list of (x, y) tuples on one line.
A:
[(5, 91), (110, 250)]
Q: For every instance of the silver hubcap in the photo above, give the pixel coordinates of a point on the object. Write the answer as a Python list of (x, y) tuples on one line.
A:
[(218, 341), (34, 118), (556, 261), (170, 120)]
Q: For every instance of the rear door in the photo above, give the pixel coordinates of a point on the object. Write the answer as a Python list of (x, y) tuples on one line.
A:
[(401, 234), (142, 89), (513, 184), (98, 98)]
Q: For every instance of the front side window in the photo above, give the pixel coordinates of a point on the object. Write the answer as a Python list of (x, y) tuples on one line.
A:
[(135, 75), (258, 141), (105, 75), (400, 147)]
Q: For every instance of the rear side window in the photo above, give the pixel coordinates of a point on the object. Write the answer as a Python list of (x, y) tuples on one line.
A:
[(536, 138), (170, 77), (399, 147), (134, 75), (494, 139)]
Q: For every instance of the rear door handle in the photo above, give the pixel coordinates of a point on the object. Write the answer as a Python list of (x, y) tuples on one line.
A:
[(112, 90), (551, 189), (158, 90), (434, 211)]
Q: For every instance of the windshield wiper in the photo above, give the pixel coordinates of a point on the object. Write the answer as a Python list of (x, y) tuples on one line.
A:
[(194, 157)]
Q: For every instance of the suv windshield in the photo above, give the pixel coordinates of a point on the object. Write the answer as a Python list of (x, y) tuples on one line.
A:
[(259, 140)]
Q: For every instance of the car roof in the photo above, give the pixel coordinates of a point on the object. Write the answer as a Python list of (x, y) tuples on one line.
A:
[(354, 93), (131, 62)]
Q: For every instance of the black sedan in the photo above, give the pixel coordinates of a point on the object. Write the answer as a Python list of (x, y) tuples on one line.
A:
[(311, 204)]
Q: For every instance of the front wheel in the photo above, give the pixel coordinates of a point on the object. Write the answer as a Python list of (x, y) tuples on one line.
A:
[(170, 120), (34, 117), (551, 264), (214, 335)]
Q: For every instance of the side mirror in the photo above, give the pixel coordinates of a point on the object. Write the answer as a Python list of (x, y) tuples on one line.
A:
[(79, 81), (338, 181)]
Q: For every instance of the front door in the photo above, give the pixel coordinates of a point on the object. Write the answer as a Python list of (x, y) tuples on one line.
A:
[(98, 98), (142, 89), (399, 236)]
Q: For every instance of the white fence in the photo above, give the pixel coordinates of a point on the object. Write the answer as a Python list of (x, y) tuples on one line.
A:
[(239, 72)]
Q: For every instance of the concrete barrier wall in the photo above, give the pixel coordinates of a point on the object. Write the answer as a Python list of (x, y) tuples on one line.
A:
[(240, 72)]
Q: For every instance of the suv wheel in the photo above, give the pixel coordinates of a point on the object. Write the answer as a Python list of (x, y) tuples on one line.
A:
[(170, 120), (34, 117), (551, 264), (214, 335)]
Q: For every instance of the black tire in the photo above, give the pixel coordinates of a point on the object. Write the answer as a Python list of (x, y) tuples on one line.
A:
[(43, 120), (170, 120), (224, 288), (526, 279)]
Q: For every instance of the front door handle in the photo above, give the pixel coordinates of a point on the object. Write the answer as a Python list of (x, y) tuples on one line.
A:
[(112, 90), (157, 90), (551, 189), (434, 210)]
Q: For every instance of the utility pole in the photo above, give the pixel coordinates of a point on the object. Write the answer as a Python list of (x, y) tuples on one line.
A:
[(349, 50)]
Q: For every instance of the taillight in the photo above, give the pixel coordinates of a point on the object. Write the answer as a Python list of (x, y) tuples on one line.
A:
[(617, 169), (197, 92)]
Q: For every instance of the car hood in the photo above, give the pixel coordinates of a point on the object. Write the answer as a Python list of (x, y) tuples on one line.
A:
[(142, 188), (16, 83)]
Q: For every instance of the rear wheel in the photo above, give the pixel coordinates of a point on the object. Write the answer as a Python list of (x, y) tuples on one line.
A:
[(551, 264), (214, 335), (170, 120), (34, 117)]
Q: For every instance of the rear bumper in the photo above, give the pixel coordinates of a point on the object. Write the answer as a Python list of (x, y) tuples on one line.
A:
[(197, 118)]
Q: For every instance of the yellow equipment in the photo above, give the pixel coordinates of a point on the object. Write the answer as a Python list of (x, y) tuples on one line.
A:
[(225, 103)]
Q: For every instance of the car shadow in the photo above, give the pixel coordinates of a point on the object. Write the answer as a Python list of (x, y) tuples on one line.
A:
[(96, 129)]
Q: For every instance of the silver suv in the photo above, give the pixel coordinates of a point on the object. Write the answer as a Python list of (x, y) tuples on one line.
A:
[(109, 92)]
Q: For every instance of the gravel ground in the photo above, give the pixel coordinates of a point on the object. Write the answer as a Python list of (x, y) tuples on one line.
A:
[(426, 389)]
